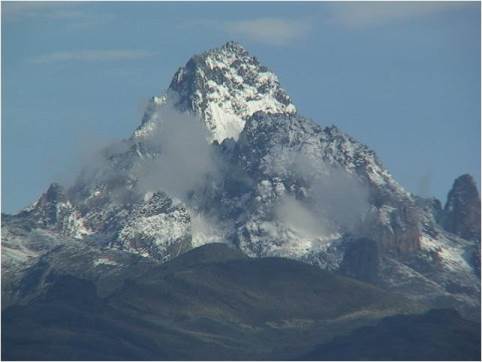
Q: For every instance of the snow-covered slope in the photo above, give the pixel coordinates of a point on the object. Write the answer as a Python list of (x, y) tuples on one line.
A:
[(224, 86), (156, 228), (301, 168)]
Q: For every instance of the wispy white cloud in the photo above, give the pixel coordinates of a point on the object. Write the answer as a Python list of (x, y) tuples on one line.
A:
[(92, 56), (365, 14), (76, 15), (27, 9), (272, 31)]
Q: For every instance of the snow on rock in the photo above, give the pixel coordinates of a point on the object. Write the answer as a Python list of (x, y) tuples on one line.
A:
[(449, 252), (157, 228), (225, 86), (328, 169), (282, 144), (150, 118), (22, 245), (53, 211), (105, 261), (385, 214)]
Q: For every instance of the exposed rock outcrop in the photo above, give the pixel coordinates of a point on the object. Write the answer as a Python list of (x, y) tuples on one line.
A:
[(362, 260), (462, 210)]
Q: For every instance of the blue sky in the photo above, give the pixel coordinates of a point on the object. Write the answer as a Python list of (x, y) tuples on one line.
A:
[(403, 78)]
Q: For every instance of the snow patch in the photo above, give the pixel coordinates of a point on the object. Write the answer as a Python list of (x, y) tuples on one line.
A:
[(105, 261), (451, 254)]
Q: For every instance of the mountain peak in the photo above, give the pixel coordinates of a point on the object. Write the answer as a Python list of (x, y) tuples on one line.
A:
[(462, 210), (225, 86), (55, 193), (234, 47), (466, 180)]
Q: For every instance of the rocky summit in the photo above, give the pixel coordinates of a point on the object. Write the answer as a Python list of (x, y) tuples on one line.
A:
[(225, 156), (462, 210)]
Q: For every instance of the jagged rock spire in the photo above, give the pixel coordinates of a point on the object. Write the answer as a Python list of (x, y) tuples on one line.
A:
[(462, 210)]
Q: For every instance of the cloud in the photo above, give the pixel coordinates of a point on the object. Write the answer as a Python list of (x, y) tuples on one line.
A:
[(52, 10), (334, 196), (174, 157), (363, 14), (91, 56), (72, 15), (206, 230), (341, 197), (294, 215), (185, 160), (272, 31)]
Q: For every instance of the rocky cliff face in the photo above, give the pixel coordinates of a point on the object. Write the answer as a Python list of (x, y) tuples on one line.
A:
[(462, 210), (362, 260), (326, 175)]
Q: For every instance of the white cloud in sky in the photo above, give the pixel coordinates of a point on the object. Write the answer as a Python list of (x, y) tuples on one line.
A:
[(25, 9), (74, 14), (363, 14), (272, 31), (91, 56), (282, 31)]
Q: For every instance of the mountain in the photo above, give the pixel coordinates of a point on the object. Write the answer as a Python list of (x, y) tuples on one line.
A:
[(226, 86), (224, 156), (462, 210), (438, 335), (212, 302)]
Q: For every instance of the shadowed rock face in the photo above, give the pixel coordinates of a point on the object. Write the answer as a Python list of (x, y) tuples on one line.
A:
[(362, 260), (462, 210)]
